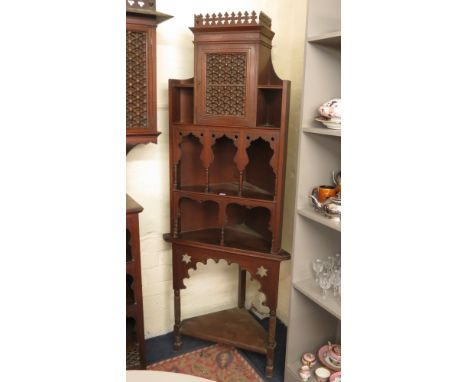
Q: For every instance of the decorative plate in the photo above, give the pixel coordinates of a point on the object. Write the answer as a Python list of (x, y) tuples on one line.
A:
[(329, 124), (335, 377), (325, 359)]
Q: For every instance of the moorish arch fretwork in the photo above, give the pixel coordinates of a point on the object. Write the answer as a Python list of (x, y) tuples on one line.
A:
[(197, 255)]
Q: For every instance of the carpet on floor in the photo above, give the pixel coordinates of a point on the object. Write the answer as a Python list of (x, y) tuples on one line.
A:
[(220, 363)]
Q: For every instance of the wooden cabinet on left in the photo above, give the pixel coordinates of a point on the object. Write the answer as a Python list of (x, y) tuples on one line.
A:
[(134, 299), (141, 121)]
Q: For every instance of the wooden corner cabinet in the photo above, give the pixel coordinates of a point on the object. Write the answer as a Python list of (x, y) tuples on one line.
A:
[(228, 132), (134, 301), (142, 20), (314, 320)]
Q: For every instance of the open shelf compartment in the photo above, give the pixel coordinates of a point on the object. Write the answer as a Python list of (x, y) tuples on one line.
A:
[(234, 327), (182, 102), (269, 106), (259, 175), (222, 177), (224, 223), (190, 169), (199, 221), (247, 228)]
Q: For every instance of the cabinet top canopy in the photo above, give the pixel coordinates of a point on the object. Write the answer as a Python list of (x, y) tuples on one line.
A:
[(145, 8), (232, 20), (140, 5)]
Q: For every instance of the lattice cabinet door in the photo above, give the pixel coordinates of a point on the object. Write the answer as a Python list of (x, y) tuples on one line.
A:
[(141, 83), (225, 88)]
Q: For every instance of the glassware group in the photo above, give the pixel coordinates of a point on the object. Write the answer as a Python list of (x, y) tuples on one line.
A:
[(328, 274)]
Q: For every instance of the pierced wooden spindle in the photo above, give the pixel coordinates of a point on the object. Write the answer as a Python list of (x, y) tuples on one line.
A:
[(207, 179), (175, 184), (177, 225), (241, 182)]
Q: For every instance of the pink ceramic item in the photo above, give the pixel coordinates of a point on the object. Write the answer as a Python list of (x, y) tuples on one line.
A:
[(331, 110), (335, 377), (324, 357), (305, 373), (335, 354), (308, 359), (322, 374)]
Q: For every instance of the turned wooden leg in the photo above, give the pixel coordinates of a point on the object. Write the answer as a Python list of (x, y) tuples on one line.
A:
[(177, 336), (241, 289), (271, 344)]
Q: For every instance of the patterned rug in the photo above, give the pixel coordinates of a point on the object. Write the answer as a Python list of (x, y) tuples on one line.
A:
[(219, 363)]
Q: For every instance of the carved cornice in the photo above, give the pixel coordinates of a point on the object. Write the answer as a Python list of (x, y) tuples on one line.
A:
[(232, 20), (145, 8), (148, 5)]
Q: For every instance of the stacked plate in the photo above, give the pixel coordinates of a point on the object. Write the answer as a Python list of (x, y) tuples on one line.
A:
[(330, 356)]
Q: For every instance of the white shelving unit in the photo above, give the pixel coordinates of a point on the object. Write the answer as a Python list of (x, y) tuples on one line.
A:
[(310, 213), (310, 289), (322, 131), (314, 320)]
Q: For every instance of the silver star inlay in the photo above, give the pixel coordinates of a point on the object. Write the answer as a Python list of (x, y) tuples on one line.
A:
[(186, 258), (262, 272)]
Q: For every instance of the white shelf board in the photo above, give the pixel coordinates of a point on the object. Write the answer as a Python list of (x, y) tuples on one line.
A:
[(322, 131), (293, 369), (330, 38), (310, 213), (310, 289)]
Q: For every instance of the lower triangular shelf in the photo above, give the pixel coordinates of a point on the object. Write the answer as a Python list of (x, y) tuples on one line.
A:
[(235, 327)]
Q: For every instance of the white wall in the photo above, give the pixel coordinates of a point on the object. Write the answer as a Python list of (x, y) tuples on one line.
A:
[(213, 286)]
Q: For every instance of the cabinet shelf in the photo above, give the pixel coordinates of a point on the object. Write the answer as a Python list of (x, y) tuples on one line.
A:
[(183, 86), (310, 213), (311, 290), (292, 370), (234, 327), (321, 131), (249, 191), (237, 236), (270, 86), (329, 39)]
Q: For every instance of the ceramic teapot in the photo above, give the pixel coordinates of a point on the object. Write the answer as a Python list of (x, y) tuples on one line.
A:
[(330, 208)]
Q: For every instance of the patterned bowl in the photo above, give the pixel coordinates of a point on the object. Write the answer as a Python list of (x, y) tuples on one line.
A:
[(331, 110)]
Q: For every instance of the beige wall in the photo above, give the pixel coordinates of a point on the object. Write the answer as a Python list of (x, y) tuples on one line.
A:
[(213, 286)]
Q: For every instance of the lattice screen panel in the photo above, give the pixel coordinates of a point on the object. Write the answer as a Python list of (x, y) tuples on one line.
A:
[(225, 83), (137, 91)]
